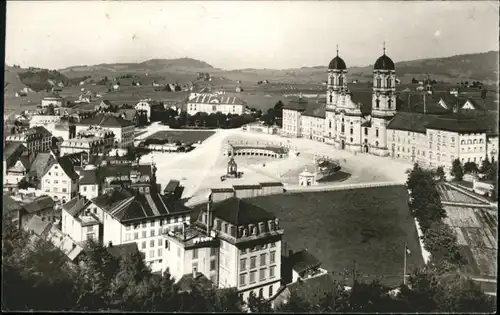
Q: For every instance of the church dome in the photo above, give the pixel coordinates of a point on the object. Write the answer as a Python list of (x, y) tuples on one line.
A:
[(337, 63), (384, 63)]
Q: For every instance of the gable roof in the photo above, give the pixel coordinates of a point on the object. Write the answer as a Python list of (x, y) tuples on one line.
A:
[(414, 122), (128, 205), (75, 205), (457, 123), (313, 289), (12, 148), (36, 225), (39, 204), (41, 165), (105, 120), (67, 166), (88, 177), (302, 261), (240, 212), (315, 111)]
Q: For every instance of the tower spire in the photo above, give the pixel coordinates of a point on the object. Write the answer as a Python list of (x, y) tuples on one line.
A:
[(384, 47), (337, 50)]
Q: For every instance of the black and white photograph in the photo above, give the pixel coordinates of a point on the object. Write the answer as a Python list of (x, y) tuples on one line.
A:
[(250, 156)]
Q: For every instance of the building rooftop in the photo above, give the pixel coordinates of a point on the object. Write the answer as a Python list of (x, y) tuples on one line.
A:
[(12, 147), (75, 205), (240, 212), (315, 111), (39, 204), (217, 99), (67, 166), (88, 177), (302, 261), (36, 225), (457, 123), (413, 122), (104, 120), (128, 205), (41, 165)]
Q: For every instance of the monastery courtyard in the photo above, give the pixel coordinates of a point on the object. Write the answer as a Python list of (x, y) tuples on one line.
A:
[(202, 168)]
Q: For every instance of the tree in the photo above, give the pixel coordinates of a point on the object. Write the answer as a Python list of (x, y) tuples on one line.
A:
[(258, 304), (441, 242), (456, 170), (470, 168), (440, 173), (485, 166)]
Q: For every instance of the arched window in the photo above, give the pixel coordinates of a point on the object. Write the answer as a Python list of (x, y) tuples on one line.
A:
[(379, 82), (341, 80), (389, 103), (376, 144), (462, 142), (388, 82), (331, 98), (342, 128), (377, 103), (376, 132), (352, 131), (330, 124), (481, 141), (469, 141), (366, 131), (475, 141), (261, 292)]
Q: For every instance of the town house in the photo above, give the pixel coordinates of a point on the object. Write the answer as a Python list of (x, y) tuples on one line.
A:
[(60, 181)]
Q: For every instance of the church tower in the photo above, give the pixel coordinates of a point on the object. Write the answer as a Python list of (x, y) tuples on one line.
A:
[(383, 102), (337, 81)]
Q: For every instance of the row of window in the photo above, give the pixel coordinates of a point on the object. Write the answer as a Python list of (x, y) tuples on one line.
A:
[(144, 234), (154, 223), (253, 261), (151, 243), (256, 248), (253, 274), (55, 181), (54, 189)]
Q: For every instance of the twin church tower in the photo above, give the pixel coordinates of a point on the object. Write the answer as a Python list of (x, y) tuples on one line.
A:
[(346, 126)]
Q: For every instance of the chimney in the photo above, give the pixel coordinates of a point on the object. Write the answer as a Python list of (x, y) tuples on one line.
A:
[(184, 231), (195, 273), (110, 244), (277, 222)]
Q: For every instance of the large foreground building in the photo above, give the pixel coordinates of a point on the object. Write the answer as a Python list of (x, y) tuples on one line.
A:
[(370, 122)]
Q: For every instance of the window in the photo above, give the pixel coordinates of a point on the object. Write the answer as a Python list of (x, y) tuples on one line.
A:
[(93, 188), (379, 82), (262, 259), (252, 276), (377, 103), (270, 291), (225, 228), (160, 252), (151, 254), (144, 234), (143, 245), (213, 251), (90, 228), (351, 131), (252, 262), (84, 188), (366, 131), (272, 258), (243, 264), (376, 132), (342, 128), (64, 190), (152, 233), (271, 271), (242, 279), (127, 237), (262, 274), (143, 225), (195, 253), (212, 264), (136, 235), (160, 241), (152, 243), (273, 244), (127, 228)]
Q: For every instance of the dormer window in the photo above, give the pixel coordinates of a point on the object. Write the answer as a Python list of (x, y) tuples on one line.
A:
[(245, 232), (261, 227)]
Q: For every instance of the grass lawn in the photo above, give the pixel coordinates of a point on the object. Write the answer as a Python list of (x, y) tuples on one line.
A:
[(183, 136), (369, 226)]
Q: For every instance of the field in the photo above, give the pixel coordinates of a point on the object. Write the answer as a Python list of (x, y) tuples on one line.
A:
[(369, 226), (184, 136), (449, 194), (476, 230)]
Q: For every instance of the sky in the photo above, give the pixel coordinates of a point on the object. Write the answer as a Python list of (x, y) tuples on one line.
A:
[(245, 34)]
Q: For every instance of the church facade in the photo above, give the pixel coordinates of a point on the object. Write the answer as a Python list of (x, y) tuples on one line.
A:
[(344, 122)]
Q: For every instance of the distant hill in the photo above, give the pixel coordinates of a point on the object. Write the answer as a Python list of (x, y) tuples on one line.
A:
[(480, 66)]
